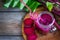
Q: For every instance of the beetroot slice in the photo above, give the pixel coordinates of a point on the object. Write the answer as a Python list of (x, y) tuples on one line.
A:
[(28, 22), (32, 37), (29, 31)]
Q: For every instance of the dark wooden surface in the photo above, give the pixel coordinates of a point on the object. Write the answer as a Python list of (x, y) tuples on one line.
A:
[(11, 38), (10, 23)]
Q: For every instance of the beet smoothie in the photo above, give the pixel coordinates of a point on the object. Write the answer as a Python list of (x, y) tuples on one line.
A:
[(44, 21)]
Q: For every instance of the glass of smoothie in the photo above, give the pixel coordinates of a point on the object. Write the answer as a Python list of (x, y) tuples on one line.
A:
[(44, 21)]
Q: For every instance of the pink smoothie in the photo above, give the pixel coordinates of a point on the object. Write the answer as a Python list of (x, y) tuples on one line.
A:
[(45, 19)]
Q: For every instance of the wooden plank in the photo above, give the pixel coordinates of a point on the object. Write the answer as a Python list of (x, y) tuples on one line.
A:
[(11, 38), (10, 23), (11, 9)]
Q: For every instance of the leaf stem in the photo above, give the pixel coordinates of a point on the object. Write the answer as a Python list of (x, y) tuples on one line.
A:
[(26, 6)]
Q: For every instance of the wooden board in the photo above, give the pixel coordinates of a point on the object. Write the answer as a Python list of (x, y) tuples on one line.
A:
[(10, 22), (11, 38), (49, 36)]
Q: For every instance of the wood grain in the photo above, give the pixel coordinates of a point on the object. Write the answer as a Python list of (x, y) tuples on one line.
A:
[(10, 23), (11, 38)]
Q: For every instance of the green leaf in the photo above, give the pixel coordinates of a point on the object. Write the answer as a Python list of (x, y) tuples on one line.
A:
[(34, 5), (15, 3), (8, 3), (18, 5), (22, 5), (49, 6)]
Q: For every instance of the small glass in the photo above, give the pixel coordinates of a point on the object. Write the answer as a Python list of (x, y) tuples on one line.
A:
[(45, 27)]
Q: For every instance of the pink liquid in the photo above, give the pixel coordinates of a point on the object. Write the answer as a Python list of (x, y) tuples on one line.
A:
[(45, 19)]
